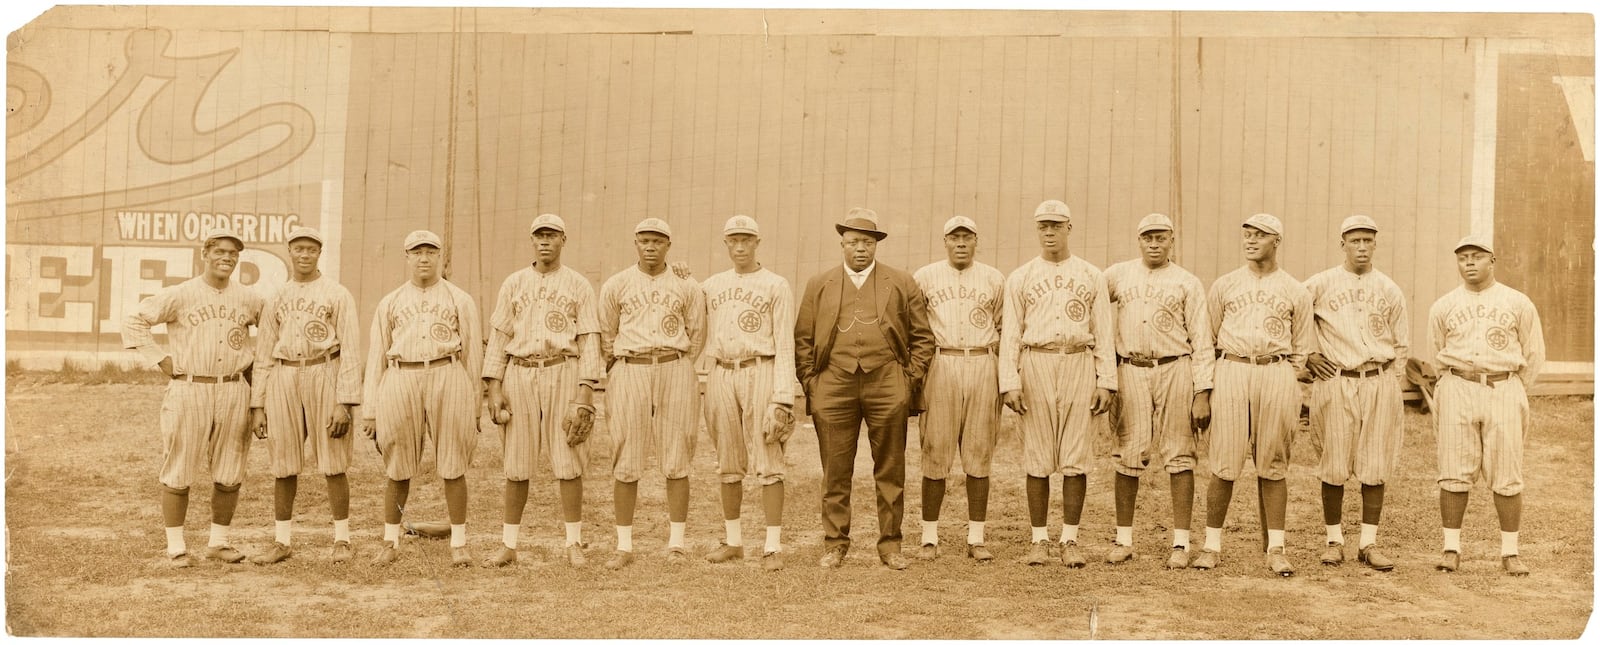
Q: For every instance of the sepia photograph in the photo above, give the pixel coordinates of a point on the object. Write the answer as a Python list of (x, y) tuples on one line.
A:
[(524, 322)]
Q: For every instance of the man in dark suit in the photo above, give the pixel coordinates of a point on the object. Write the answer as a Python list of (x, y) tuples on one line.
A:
[(862, 346)]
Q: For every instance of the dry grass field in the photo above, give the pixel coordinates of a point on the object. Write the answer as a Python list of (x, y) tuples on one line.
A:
[(84, 551)]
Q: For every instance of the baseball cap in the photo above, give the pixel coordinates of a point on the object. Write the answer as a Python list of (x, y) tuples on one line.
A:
[(221, 232), (304, 232), (1154, 222), (653, 225), (960, 221), (1356, 222), (548, 220), (741, 224), (415, 239), (1052, 210), (1480, 241), (1266, 223), (864, 220)]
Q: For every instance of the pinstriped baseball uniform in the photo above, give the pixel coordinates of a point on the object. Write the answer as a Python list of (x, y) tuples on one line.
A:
[(1481, 425), (208, 331), (1051, 307), (417, 325), (1254, 408), (651, 405), (1161, 313), (749, 315), (307, 320), (1362, 324), (961, 393), (542, 316)]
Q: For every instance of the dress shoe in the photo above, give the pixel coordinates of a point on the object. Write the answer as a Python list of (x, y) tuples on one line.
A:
[(724, 553), (832, 557), (894, 561), (1278, 562), (1119, 554), (274, 554), (1374, 558), (979, 552), (1513, 566)]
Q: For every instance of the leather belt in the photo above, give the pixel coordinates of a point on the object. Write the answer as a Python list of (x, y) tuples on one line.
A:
[(966, 351), (422, 365), (1148, 362), (1048, 349), (208, 379), (537, 361), (1373, 371), (1482, 378), (742, 363), (1252, 360), (308, 362), (653, 359)]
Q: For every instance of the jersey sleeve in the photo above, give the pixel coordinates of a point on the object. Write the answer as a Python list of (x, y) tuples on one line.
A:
[(1400, 322), (377, 358), (1531, 335), (500, 329), (471, 325), (610, 316), (1202, 348), (161, 307), (266, 340), (1011, 334), (1436, 332), (1105, 337), (1303, 328), (783, 381), (696, 318), (590, 361)]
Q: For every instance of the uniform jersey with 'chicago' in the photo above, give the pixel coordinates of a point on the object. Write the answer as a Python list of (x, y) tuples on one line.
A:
[(1494, 330), (310, 320), (414, 324), (1050, 304), (1360, 318), (641, 313), (1262, 315), (964, 306), (748, 315), (651, 405), (543, 315), (208, 330), (1160, 313), (1254, 406)]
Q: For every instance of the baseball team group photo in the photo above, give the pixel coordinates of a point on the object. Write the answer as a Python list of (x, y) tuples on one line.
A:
[(569, 324)]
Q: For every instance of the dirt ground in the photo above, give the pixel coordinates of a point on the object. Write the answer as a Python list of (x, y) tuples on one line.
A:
[(84, 553)]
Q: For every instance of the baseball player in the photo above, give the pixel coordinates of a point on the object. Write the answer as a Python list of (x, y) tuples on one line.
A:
[(1261, 316), (307, 377), (426, 348), (541, 370), (1164, 369), (652, 329), (1364, 333), (962, 393), (1057, 367), (1488, 348), (750, 390), (205, 414)]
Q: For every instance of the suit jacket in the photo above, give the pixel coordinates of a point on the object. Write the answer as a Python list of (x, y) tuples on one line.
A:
[(902, 316)]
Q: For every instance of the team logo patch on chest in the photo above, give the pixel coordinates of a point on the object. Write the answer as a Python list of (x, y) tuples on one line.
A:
[(670, 325), (750, 321), (555, 321), (1076, 311), (1499, 338), (440, 332), (317, 331), (979, 318), (1276, 328), (236, 338), (1164, 321), (1376, 325)]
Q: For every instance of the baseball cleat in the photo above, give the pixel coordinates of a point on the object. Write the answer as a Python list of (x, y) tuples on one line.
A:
[(430, 530), (575, 554), (1513, 566), (179, 561), (928, 552), (1038, 554), (1449, 562), (461, 557), (894, 561), (342, 551), (387, 554), (1374, 558), (1119, 554), (619, 559), (772, 561), (224, 553), (725, 553), (1178, 559), (1206, 560), (1333, 556), (506, 555), (274, 554), (979, 552), (1278, 562), (1071, 556), (676, 555), (832, 558)]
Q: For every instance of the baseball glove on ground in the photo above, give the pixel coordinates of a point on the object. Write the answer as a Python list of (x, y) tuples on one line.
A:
[(578, 424), (780, 424)]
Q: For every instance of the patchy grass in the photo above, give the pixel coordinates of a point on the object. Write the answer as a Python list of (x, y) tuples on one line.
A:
[(85, 551)]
